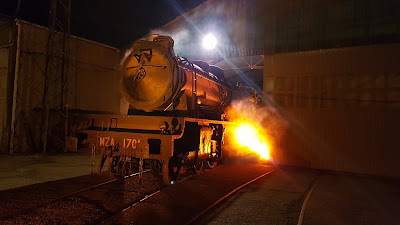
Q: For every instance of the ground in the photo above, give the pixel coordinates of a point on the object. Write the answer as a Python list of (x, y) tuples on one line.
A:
[(276, 198)]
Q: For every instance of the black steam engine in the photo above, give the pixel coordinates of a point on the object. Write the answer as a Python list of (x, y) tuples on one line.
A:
[(175, 118)]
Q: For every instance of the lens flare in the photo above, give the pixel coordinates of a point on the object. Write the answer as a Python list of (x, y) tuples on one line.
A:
[(209, 42), (247, 135)]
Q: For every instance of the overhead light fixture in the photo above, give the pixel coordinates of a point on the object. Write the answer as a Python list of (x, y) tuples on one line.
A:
[(209, 42)]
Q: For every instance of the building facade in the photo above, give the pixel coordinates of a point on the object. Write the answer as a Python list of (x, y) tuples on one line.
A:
[(93, 83), (330, 68)]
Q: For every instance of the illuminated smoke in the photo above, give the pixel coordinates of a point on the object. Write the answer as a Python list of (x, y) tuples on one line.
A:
[(247, 135), (180, 36), (125, 55), (256, 130)]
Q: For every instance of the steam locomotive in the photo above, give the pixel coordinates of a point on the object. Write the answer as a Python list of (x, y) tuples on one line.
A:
[(175, 118)]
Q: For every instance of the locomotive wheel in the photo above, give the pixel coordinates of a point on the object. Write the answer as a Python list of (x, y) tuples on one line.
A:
[(198, 167), (171, 170), (211, 163)]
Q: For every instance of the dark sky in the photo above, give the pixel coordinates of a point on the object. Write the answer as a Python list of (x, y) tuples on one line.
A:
[(117, 23)]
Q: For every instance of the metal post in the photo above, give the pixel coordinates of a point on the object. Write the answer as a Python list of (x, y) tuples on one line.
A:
[(140, 170), (93, 167), (55, 86)]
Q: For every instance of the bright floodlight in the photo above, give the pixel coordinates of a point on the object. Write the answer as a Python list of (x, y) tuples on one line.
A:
[(209, 42)]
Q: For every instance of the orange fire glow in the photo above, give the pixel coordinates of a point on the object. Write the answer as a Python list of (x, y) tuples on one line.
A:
[(247, 135)]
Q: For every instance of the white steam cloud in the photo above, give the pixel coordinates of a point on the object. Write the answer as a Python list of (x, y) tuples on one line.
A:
[(180, 37)]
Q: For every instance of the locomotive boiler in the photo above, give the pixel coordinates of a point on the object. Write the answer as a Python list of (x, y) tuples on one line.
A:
[(155, 80), (175, 118)]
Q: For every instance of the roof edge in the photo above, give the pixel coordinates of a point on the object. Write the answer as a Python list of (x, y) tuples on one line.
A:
[(5, 17)]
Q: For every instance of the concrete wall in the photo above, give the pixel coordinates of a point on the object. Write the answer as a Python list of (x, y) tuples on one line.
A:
[(93, 82), (342, 107)]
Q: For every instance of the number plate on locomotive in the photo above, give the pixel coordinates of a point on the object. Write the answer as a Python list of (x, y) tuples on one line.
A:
[(125, 142)]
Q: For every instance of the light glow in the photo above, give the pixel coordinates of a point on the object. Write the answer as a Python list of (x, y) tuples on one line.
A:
[(209, 42), (248, 136)]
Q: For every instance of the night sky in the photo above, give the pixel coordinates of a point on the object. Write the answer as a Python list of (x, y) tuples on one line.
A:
[(116, 23)]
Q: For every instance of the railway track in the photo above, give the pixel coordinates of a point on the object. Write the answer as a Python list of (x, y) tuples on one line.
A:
[(163, 203), (304, 205), (94, 186), (202, 213), (115, 201), (29, 212), (108, 219), (216, 203), (65, 196)]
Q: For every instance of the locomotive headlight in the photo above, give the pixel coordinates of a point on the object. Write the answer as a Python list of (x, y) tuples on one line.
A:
[(209, 42)]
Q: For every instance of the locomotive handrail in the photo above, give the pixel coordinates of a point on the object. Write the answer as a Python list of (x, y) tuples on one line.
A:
[(152, 66), (116, 122)]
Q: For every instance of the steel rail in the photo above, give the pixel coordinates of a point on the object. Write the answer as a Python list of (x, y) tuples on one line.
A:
[(149, 195), (303, 207), (134, 203), (97, 185), (138, 201), (70, 194), (226, 196)]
